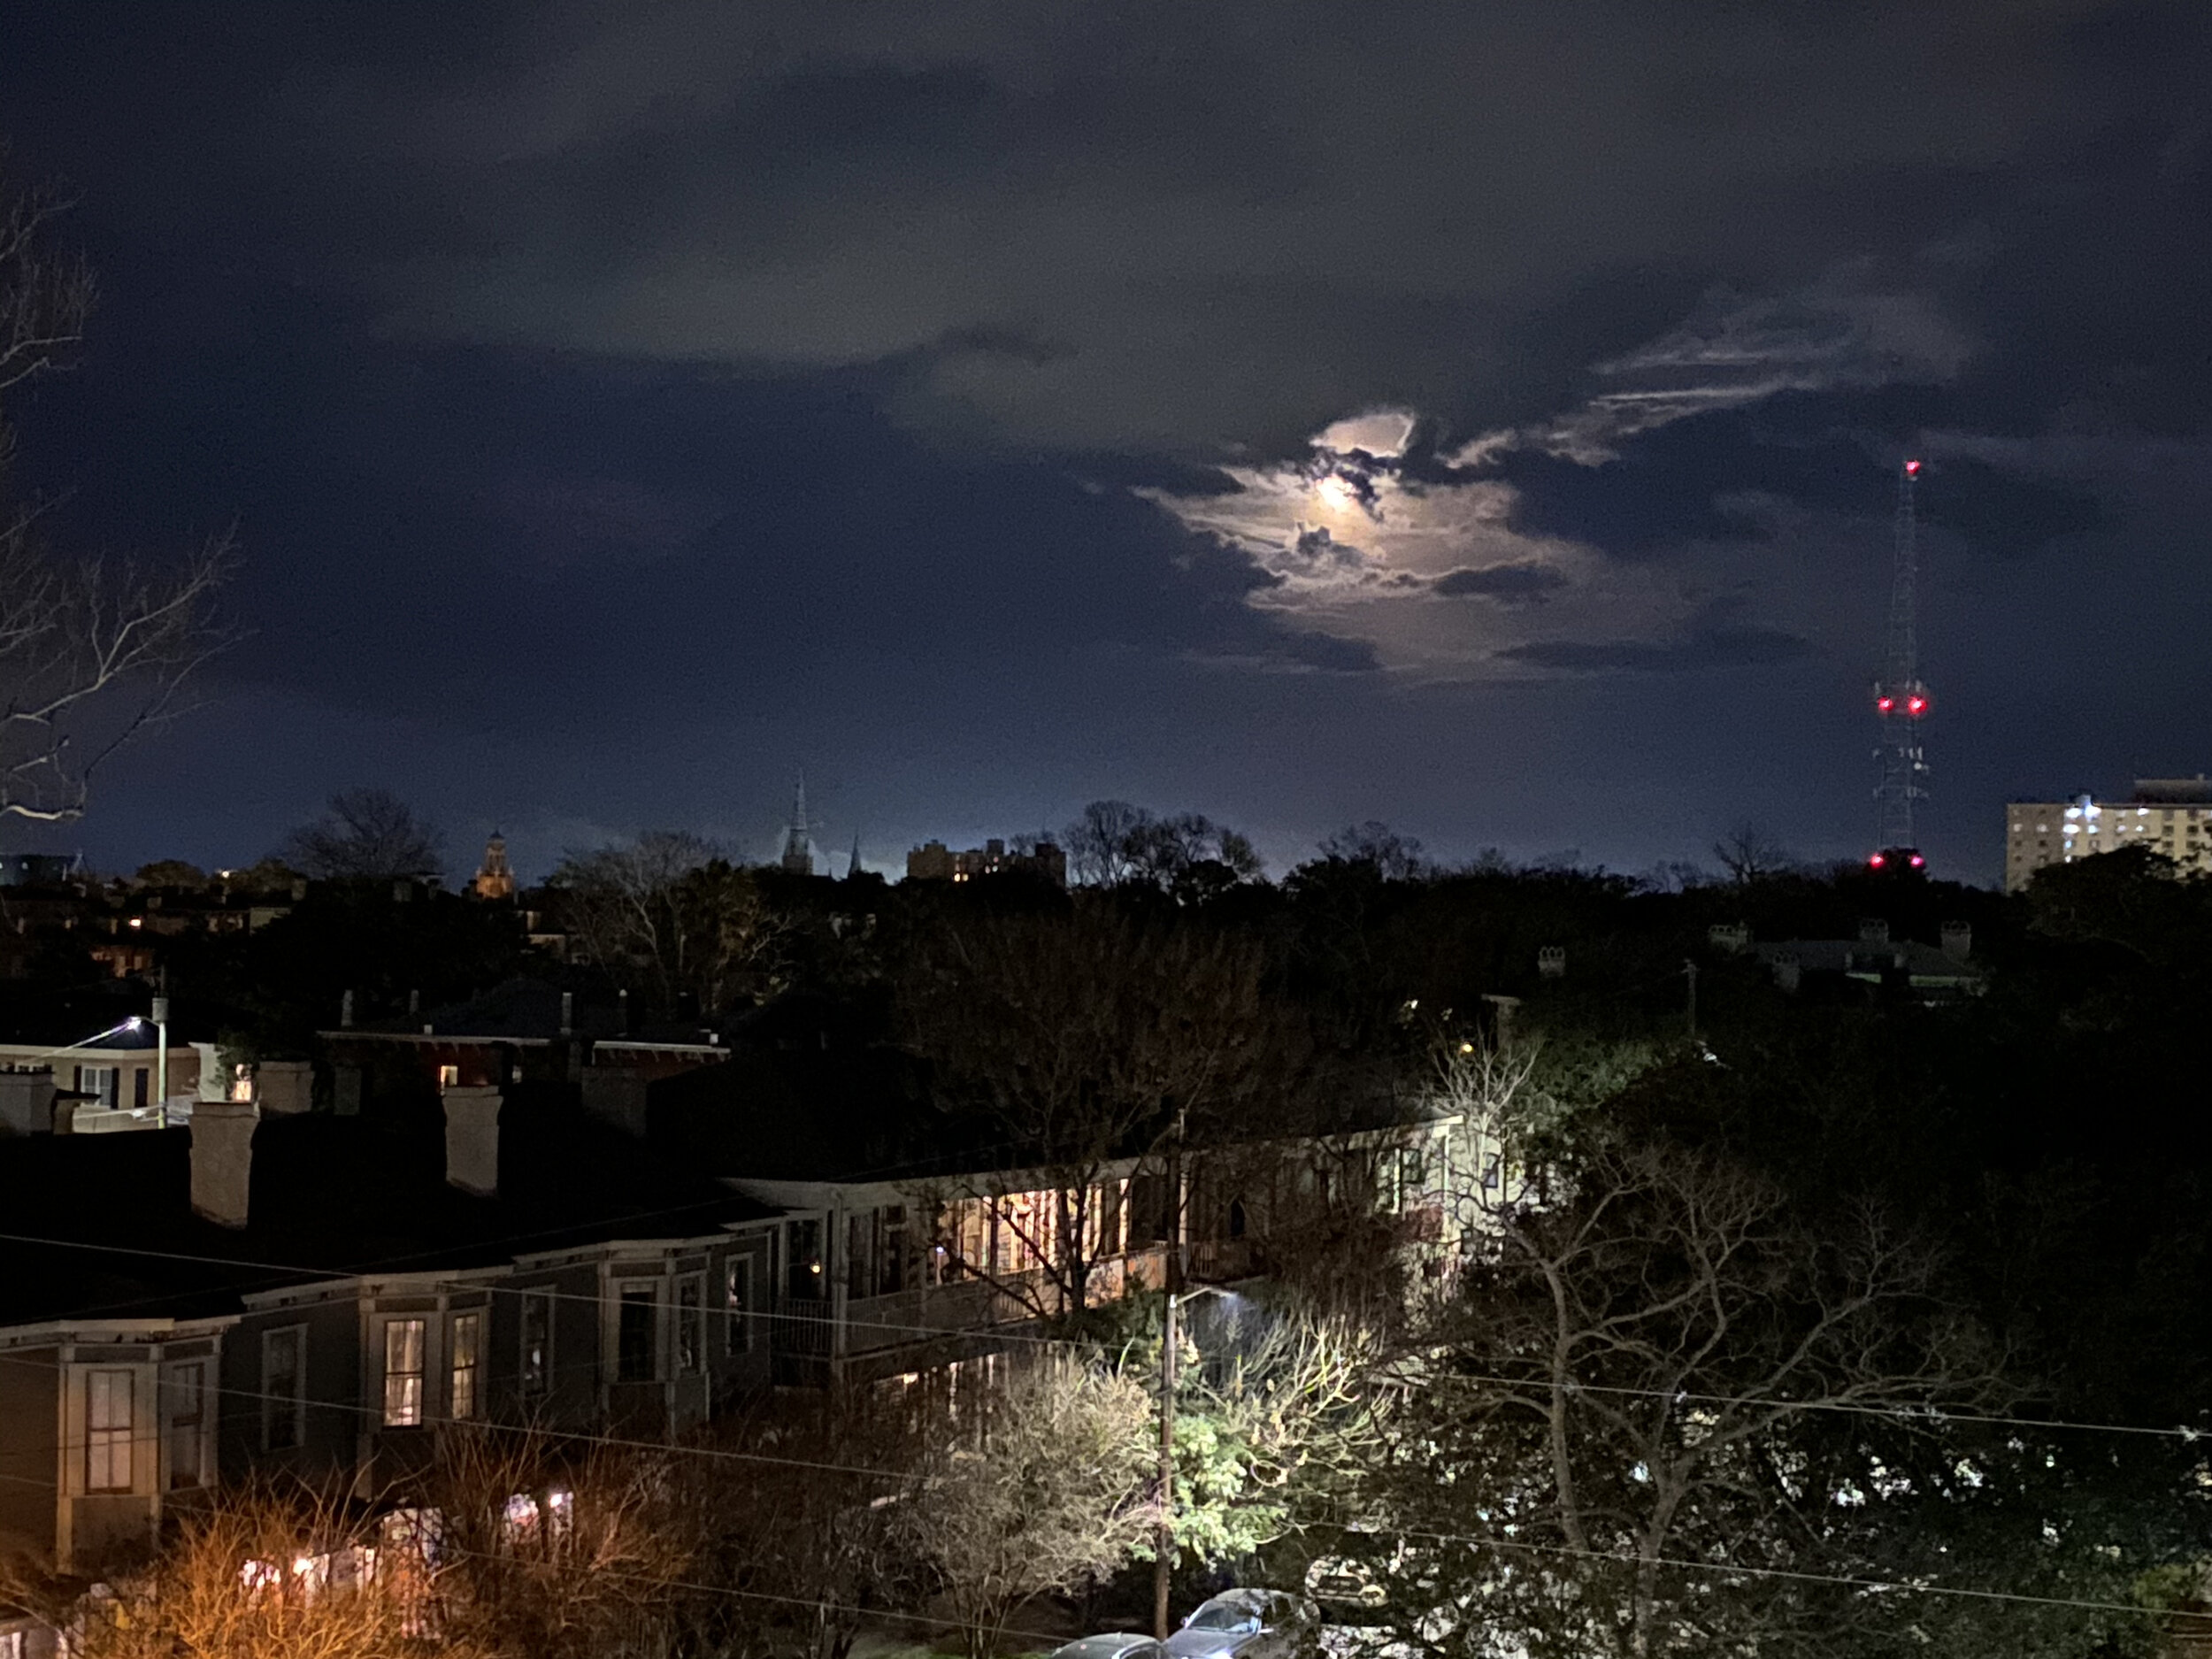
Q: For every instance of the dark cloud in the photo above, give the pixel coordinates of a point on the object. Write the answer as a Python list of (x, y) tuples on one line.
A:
[(1741, 646), (1509, 584), (707, 388)]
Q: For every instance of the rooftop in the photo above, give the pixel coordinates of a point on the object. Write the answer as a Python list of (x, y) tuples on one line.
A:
[(102, 1225)]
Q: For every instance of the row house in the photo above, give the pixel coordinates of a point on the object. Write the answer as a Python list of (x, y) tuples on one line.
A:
[(904, 1250), (317, 1296)]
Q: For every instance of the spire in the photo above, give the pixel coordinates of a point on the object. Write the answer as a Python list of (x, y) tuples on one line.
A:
[(798, 851), (495, 876), (853, 868)]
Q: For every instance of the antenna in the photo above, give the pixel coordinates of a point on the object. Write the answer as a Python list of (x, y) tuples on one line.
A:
[(1901, 701)]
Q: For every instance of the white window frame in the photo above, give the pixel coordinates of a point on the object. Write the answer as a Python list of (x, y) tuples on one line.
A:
[(104, 1083), (464, 1365), (106, 1440), (293, 1408), (186, 1433), (403, 1404)]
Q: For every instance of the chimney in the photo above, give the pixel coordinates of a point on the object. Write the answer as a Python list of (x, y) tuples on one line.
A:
[(472, 1139), (345, 1012), (222, 1159), (414, 1003), (284, 1088), (27, 1100), (568, 1013)]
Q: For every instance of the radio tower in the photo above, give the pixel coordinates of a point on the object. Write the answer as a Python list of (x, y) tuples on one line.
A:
[(1901, 701)]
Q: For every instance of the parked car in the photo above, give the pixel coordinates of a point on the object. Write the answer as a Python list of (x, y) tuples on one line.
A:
[(1120, 1644), (1249, 1624)]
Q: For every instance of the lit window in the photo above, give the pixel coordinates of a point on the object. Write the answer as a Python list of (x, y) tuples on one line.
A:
[(633, 1356), (467, 1334), (283, 1388), (402, 1373), (184, 1402), (537, 1341), (691, 1324), (99, 1081), (107, 1431), (448, 1077)]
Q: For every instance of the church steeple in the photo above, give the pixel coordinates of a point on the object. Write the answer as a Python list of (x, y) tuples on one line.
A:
[(853, 868), (798, 851), (495, 879)]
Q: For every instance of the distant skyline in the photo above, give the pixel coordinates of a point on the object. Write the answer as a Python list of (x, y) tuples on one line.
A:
[(1479, 418)]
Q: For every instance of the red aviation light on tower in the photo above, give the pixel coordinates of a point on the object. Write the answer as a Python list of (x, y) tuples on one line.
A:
[(1877, 861), (1917, 704), (1884, 704), (1912, 469)]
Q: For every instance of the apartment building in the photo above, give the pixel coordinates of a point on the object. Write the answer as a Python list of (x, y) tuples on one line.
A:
[(2172, 816)]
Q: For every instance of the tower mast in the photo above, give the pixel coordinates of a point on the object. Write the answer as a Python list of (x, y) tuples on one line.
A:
[(1900, 700)]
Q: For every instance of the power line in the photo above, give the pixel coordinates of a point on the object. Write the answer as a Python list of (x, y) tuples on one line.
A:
[(1000, 1332), (1853, 1581), (917, 1167), (357, 1409), (1850, 1581), (1916, 1412), (337, 1276)]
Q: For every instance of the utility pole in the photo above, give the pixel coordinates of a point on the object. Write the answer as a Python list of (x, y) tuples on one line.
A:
[(1172, 1279), (1689, 972)]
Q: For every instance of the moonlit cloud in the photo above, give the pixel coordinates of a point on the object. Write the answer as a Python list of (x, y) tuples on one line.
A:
[(1359, 540), (1838, 333)]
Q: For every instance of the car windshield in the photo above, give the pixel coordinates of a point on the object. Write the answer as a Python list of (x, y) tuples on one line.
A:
[(1224, 1616)]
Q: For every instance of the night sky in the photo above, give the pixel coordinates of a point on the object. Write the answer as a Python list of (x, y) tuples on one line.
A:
[(1479, 416)]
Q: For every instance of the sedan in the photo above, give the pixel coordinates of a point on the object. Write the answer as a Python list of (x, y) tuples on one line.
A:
[(1249, 1624)]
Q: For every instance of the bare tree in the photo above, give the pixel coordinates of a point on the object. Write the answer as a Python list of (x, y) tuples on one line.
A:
[(45, 296), (257, 1573), (94, 652), (1660, 1399), (1749, 853), (1057, 1493), (669, 916), (1391, 856), (1098, 842), (367, 834), (1185, 854), (1083, 1039)]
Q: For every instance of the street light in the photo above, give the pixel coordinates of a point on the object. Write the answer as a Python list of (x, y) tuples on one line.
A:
[(161, 1062), (1163, 1540)]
